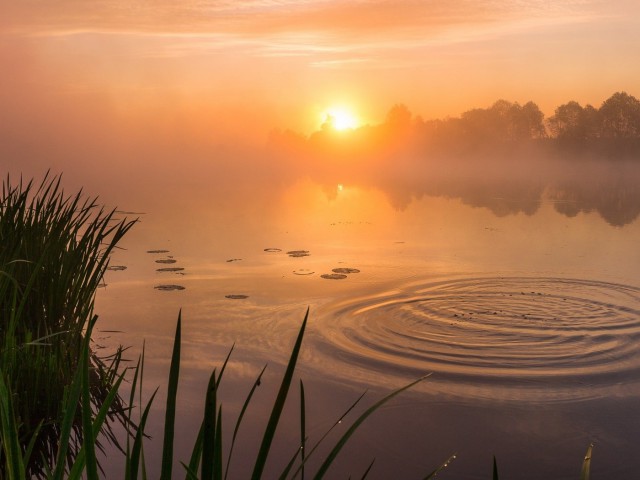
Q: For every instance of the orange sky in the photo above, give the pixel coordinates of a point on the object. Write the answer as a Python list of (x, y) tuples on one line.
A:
[(219, 69)]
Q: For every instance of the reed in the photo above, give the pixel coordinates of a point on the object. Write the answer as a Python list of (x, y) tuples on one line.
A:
[(206, 460), (54, 250)]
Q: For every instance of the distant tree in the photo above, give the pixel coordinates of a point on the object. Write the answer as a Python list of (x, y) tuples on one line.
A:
[(530, 122), (399, 116), (504, 122), (620, 116), (573, 123)]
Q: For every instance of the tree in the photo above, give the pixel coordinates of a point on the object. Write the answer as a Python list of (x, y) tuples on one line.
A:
[(573, 123), (620, 116)]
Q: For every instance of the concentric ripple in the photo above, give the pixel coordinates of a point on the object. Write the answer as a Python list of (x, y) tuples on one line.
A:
[(502, 337)]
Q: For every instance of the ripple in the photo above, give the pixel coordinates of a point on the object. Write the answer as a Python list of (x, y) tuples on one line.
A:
[(303, 271), (500, 337)]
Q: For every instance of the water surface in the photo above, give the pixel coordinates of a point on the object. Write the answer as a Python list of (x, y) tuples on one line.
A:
[(520, 293)]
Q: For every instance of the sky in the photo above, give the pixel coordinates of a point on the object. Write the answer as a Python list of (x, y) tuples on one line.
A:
[(134, 80)]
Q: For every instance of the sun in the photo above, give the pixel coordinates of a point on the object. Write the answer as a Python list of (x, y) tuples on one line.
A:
[(340, 118)]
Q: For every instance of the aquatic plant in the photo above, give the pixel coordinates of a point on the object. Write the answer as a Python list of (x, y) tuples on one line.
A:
[(54, 250), (206, 461)]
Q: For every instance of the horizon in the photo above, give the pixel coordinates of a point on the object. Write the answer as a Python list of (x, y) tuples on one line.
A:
[(241, 69)]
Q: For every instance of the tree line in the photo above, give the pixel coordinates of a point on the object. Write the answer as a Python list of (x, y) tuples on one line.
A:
[(504, 128), (614, 127)]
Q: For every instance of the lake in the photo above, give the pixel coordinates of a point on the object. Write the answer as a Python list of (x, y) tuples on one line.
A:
[(516, 284)]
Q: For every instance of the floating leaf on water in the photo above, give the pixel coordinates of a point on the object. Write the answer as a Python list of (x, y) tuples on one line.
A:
[(334, 276), (169, 269), (116, 268), (298, 253), (234, 260), (166, 260), (345, 270), (168, 288), (236, 297), (303, 271), (157, 251), (273, 250)]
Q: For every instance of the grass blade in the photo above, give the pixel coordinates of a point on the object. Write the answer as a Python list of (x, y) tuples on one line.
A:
[(366, 472), (326, 434), (72, 395), (334, 453), (170, 414), (495, 469), (241, 416), (87, 427), (303, 428), (15, 468), (136, 452), (278, 405), (444, 465), (196, 454), (209, 430), (586, 464)]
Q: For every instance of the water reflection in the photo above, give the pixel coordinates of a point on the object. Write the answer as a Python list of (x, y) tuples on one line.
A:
[(501, 278), (610, 189), (506, 182)]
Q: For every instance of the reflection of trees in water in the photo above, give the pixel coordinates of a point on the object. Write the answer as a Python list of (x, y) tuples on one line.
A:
[(571, 187), (616, 199), (610, 190)]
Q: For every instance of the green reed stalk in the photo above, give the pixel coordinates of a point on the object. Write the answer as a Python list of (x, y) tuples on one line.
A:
[(54, 250)]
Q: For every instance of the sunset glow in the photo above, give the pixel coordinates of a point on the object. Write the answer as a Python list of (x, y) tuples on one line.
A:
[(442, 186), (340, 118)]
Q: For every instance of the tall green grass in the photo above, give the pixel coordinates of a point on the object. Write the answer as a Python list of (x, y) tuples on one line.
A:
[(206, 460), (54, 250)]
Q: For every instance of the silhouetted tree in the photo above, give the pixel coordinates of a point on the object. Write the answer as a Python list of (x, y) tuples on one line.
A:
[(574, 124), (503, 122), (530, 122), (620, 116), (399, 117)]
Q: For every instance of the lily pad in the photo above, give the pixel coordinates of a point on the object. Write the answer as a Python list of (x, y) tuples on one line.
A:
[(234, 260), (273, 250), (157, 251), (166, 260), (298, 253), (303, 271), (236, 296), (168, 288), (334, 276), (116, 268), (345, 270), (170, 269)]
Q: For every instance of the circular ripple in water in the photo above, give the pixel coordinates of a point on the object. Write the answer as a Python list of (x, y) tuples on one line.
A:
[(539, 338)]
